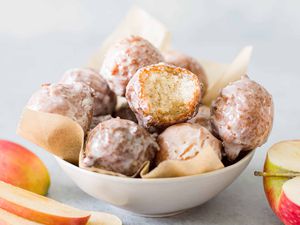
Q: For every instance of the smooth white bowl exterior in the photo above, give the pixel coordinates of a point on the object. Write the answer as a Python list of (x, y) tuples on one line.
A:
[(155, 197)]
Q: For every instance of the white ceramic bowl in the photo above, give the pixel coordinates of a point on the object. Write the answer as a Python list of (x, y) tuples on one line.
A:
[(155, 197)]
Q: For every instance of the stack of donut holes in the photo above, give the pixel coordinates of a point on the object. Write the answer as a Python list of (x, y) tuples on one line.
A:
[(145, 105)]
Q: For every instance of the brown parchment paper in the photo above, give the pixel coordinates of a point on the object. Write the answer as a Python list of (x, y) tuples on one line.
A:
[(233, 72), (206, 161), (57, 134), (136, 22)]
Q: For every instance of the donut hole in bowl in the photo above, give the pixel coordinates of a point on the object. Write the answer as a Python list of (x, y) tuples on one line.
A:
[(169, 96)]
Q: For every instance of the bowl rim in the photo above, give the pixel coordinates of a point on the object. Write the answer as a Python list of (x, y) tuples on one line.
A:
[(246, 158)]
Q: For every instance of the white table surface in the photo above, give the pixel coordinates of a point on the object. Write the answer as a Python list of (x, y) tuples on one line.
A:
[(39, 40)]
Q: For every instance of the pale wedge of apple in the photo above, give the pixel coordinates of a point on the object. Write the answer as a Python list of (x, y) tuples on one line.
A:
[(100, 218), (7, 218), (282, 189), (38, 208)]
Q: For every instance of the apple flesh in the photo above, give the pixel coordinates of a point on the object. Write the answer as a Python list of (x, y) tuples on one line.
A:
[(22, 168), (38, 208), (283, 164), (7, 218), (100, 218)]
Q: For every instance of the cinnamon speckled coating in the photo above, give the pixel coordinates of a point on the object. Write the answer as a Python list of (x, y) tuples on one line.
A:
[(105, 98), (124, 58), (74, 101), (184, 141), (181, 60), (242, 116), (120, 146), (138, 101)]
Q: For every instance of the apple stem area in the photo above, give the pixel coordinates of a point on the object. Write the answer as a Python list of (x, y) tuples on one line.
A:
[(268, 174)]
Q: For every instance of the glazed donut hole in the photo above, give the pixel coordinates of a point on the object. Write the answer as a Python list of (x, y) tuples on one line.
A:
[(185, 141), (124, 58), (120, 146), (75, 101), (161, 95), (105, 98), (242, 116)]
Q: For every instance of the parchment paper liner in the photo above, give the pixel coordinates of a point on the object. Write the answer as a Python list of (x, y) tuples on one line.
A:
[(57, 134), (220, 75), (137, 22), (206, 161), (64, 138)]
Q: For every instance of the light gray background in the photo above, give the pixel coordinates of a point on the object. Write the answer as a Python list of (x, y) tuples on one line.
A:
[(39, 40)]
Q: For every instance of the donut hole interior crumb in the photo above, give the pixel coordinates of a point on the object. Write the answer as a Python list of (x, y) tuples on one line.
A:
[(169, 95)]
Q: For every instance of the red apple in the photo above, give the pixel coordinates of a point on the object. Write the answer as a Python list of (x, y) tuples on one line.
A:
[(282, 181), (38, 208), (22, 168)]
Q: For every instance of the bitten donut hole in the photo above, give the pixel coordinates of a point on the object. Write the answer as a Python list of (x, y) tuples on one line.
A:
[(169, 94)]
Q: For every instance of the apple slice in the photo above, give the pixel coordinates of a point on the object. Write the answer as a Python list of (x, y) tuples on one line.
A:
[(38, 208), (100, 218), (7, 218), (289, 203)]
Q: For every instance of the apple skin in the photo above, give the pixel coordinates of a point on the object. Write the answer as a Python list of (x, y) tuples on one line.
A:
[(273, 185), (288, 212), (39, 217), (22, 168)]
